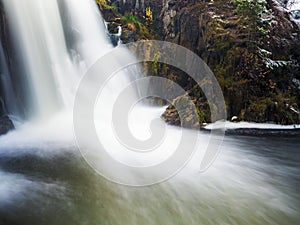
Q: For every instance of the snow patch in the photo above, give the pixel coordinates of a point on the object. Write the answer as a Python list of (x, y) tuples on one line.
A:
[(248, 125)]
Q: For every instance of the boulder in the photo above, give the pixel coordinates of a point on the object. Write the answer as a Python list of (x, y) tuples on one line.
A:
[(6, 125)]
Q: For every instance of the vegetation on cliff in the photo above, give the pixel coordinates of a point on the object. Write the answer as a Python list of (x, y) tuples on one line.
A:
[(251, 46)]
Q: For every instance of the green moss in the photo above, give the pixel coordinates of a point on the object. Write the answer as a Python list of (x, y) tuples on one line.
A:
[(128, 18), (106, 5)]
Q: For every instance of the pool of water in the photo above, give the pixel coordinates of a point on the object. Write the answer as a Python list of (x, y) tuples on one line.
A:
[(255, 180)]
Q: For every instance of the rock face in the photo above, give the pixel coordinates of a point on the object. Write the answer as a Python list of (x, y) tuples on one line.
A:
[(255, 58), (2, 105), (254, 90), (16, 72), (188, 117), (5, 125)]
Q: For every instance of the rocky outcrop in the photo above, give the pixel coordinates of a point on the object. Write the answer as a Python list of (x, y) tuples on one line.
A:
[(188, 118), (254, 89), (2, 104), (255, 58), (6, 125), (14, 70)]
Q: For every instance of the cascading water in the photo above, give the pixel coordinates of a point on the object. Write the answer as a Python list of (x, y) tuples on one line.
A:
[(45, 181), (39, 48), (53, 65)]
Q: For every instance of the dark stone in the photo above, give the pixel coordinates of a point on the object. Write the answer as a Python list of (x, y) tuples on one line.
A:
[(2, 106), (6, 125), (15, 69), (264, 132)]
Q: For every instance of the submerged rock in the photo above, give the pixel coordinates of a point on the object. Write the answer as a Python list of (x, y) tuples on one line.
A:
[(6, 125)]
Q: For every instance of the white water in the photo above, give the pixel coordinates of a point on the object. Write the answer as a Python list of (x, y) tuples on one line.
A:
[(58, 41), (52, 69)]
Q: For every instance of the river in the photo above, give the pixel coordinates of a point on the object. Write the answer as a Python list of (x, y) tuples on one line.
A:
[(255, 180)]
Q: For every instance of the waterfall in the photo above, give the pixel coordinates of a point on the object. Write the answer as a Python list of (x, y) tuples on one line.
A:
[(56, 41)]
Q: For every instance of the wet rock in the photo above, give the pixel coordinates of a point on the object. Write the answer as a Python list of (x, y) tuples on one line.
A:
[(183, 112), (6, 125)]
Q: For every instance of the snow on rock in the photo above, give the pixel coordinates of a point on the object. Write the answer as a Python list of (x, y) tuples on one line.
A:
[(248, 125), (293, 7)]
